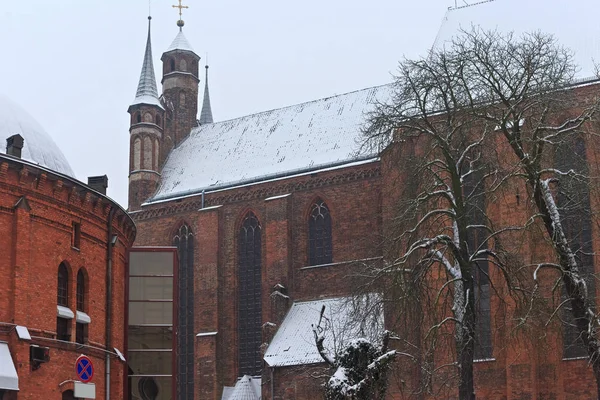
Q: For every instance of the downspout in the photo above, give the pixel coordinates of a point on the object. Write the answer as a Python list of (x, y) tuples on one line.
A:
[(202, 198), (272, 383), (108, 319)]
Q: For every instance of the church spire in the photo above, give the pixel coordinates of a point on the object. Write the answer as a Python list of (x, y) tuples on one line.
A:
[(206, 113), (146, 91)]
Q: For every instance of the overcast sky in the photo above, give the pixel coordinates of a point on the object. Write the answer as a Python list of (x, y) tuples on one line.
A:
[(74, 65)]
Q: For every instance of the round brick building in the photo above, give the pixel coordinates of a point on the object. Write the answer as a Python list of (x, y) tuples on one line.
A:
[(62, 271)]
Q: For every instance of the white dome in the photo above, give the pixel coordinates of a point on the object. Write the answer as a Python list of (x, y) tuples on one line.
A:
[(39, 147)]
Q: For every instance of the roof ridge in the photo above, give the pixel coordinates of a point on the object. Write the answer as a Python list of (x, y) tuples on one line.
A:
[(297, 104), (470, 5)]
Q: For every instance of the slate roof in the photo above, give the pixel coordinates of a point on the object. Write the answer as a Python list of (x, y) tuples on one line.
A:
[(271, 144), (294, 342), (572, 23), (206, 116), (246, 388), (180, 43), (147, 92), (38, 146)]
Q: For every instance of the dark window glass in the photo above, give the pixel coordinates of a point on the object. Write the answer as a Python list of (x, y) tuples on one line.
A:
[(63, 285), (76, 235), (184, 241), (249, 297), (171, 65), (319, 235), (138, 117), (158, 120), (80, 291), (573, 200), (63, 329), (68, 395), (474, 195), (81, 333)]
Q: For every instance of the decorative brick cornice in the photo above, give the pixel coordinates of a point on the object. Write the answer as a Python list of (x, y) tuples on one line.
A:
[(263, 191)]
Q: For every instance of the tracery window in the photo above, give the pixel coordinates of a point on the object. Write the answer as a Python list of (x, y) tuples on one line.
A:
[(184, 241), (63, 321), (474, 194), (249, 296), (573, 200), (319, 234)]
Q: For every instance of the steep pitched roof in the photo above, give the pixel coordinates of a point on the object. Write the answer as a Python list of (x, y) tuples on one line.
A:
[(246, 388), (180, 43), (206, 116), (291, 140), (294, 342), (146, 92), (570, 22)]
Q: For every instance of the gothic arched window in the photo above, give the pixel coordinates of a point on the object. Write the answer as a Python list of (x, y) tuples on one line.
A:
[(184, 241), (63, 320), (82, 321), (319, 234), (171, 65), (249, 296)]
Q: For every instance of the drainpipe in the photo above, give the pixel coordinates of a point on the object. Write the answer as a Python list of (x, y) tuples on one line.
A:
[(202, 198), (272, 383), (108, 319)]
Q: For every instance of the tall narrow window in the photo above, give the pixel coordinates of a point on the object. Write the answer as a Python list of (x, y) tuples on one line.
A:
[(249, 296), (574, 208), (63, 285), (319, 234), (474, 195), (76, 235), (184, 241), (63, 320), (83, 319)]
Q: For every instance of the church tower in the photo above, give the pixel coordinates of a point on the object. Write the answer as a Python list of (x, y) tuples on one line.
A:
[(145, 133), (180, 90)]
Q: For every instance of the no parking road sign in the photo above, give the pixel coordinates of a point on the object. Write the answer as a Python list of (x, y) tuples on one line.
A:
[(84, 368)]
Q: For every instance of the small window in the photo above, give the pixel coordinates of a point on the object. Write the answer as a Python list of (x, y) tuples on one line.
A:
[(138, 118), (158, 120), (81, 332), (76, 235), (63, 329), (171, 65)]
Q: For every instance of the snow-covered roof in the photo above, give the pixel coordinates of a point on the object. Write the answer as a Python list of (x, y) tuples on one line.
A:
[(299, 138), (38, 146), (147, 92), (294, 342), (180, 43), (572, 23), (246, 388)]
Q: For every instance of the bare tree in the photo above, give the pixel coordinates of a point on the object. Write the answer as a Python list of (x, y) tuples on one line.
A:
[(361, 366), (486, 110), (442, 233)]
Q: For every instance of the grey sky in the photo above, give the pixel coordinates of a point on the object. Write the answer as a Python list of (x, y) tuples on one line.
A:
[(74, 65)]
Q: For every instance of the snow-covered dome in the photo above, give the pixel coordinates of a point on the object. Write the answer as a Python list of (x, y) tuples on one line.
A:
[(39, 147)]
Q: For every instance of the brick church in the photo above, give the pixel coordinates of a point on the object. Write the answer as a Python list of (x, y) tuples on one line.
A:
[(271, 213)]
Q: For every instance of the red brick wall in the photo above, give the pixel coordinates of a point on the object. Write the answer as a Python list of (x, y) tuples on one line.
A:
[(37, 237)]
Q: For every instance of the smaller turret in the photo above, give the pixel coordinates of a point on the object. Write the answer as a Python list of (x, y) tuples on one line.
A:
[(206, 116), (146, 133)]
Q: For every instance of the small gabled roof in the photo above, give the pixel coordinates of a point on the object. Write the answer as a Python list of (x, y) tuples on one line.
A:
[(247, 388), (147, 92), (180, 43), (294, 342)]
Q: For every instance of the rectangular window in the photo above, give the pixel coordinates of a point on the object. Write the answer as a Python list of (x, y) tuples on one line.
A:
[(81, 333), (63, 329), (76, 234)]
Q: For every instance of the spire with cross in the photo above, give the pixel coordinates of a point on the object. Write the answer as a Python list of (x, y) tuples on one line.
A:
[(180, 23)]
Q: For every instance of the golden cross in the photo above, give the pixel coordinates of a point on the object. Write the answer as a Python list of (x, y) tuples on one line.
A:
[(181, 7)]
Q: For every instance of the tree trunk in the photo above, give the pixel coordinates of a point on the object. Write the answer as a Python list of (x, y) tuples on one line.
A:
[(466, 345)]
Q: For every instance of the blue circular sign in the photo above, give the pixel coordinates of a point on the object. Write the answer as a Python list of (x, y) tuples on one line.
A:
[(84, 368)]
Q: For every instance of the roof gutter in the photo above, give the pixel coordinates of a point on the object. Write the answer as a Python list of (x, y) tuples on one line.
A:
[(281, 175)]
